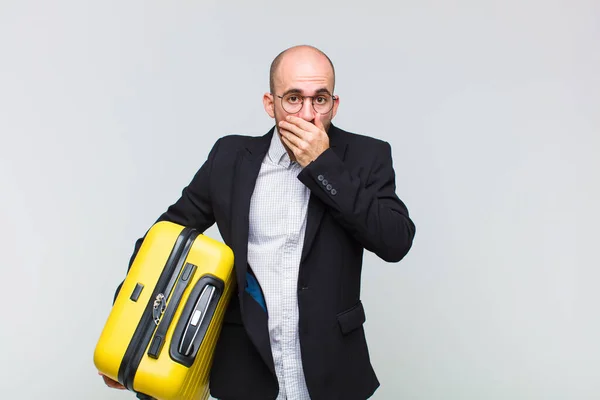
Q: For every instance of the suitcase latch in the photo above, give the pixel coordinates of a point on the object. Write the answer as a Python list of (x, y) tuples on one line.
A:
[(159, 308)]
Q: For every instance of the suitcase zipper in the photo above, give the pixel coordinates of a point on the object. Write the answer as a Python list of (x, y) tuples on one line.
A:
[(158, 340), (145, 330)]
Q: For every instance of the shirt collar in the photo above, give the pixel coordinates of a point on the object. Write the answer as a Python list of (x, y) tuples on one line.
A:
[(277, 153)]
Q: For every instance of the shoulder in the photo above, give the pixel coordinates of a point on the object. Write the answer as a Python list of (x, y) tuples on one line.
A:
[(235, 142)]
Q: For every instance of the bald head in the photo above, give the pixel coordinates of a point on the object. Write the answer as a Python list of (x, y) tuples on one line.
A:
[(293, 55)]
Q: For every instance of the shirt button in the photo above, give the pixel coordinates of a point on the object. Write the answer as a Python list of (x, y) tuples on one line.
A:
[(329, 187), (325, 182), (320, 177), (333, 192)]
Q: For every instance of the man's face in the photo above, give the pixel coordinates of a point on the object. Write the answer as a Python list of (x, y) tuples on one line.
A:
[(306, 73)]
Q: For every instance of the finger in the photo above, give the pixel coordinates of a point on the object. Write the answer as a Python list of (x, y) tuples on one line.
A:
[(116, 386), (291, 138), (313, 130), (111, 383), (301, 123), (291, 146), (319, 123), (293, 129), (287, 142)]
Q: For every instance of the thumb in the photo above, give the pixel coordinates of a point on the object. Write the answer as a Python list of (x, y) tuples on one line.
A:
[(318, 123)]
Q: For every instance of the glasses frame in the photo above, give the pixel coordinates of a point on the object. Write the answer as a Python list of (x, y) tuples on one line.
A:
[(312, 101)]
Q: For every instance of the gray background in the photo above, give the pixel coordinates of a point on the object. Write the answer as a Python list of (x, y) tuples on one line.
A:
[(107, 109)]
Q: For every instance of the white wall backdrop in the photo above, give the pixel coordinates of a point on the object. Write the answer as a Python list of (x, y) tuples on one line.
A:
[(108, 108)]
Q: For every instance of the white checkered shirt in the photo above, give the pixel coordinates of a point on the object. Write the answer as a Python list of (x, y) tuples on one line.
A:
[(277, 225)]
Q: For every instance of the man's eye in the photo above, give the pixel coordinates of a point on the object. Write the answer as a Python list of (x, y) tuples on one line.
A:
[(293, 99), (321, 100)]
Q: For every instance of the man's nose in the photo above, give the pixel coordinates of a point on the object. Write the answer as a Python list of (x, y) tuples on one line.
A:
[(307, 111)]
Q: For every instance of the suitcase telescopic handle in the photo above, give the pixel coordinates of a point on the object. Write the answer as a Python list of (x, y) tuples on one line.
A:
[(196, 319)]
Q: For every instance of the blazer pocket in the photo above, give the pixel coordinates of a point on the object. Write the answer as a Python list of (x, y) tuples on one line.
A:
[(352, 318)]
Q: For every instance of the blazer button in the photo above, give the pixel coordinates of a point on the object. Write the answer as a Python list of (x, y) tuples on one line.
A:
[(329, 187), (333, 192), (320, 177), (325, 182)]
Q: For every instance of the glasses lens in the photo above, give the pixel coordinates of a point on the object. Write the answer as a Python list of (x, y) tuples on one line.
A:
[(292, 103), (323, 103)]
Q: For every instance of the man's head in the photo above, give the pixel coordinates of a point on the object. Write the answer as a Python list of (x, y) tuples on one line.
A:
[(298, 72)]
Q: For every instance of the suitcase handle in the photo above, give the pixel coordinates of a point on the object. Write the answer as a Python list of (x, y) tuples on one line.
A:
[(195, 319)]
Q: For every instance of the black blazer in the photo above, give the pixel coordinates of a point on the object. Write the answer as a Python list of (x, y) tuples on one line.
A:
[(353, 206)]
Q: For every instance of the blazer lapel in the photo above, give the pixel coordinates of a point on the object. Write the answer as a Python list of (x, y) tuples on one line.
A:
[(248, 163), (316, 208), (247, 167)]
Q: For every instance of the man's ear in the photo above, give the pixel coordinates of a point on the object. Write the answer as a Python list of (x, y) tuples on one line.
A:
[(269, 104), (336, 104)]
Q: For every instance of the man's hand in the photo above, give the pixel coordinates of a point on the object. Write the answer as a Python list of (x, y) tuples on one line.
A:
[(305, 140), (110, 383)]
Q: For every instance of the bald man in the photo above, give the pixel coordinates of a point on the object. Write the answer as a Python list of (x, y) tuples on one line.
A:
[(298, 206)]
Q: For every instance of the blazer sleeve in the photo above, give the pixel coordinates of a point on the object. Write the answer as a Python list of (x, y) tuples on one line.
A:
[(192, 209), (369, 210)]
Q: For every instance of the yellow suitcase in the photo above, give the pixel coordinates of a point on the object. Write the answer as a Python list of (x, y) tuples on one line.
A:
[(160, 335)]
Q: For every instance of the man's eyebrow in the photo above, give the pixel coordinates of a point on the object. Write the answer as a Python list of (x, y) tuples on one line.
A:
[(298, 91), (322, 90), (293, 90)]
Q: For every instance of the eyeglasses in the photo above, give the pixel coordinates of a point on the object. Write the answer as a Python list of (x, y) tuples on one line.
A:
[(293, 102)]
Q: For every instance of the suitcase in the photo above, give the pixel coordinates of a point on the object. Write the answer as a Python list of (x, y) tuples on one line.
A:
[(159, 337)]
